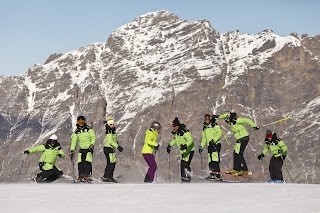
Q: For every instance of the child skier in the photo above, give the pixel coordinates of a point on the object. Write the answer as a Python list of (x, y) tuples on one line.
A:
[(279, 151), (50, 151)]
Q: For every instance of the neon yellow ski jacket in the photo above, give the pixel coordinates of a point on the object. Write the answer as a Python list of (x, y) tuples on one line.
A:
[(150, 141), (49, 155)]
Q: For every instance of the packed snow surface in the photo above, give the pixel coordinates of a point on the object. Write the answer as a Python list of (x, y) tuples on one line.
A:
[(194, 197)]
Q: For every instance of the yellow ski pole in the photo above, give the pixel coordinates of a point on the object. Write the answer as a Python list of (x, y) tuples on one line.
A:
[(277, 121), (225, 137)]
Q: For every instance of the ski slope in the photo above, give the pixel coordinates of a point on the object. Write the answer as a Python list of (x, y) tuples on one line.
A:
[(194, 197)]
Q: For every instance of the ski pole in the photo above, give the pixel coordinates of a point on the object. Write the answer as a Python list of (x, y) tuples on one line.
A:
[(201, 166), (285, 165), (169, 169), (225, 137), (155, 157), (262, 162), (222, 158), (277, 121)]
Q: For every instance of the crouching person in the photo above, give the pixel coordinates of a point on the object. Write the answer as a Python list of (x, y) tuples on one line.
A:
[(50, 152)]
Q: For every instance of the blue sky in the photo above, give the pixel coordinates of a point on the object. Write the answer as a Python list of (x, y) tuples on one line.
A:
[(31, 30)]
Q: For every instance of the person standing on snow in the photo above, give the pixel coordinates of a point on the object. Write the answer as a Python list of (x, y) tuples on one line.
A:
[(150, 144), (87, 139), (279, 151), (110, 145), (50, 152), (183, 139), (241, 135), (211, 135)]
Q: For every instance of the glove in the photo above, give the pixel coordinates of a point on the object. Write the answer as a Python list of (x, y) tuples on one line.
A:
[(59, 156), (26, 152), (71, 154), (284, 157), (168, 149), (120, 148), (183, 147), (157, 146), (260, 156), (280, 151), (91, 147), (211, 144), (200, 149), (256, 128)]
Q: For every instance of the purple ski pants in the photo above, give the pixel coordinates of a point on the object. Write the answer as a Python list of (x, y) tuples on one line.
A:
[(152, 165)]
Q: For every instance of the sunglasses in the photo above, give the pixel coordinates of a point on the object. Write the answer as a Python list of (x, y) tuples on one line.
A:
[(111, 124)]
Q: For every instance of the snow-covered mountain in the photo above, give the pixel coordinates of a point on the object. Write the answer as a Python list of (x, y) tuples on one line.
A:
[(158, 67)]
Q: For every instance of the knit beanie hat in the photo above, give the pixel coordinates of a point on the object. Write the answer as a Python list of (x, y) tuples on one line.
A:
[(175, 122), (268, 133), (110, 120)]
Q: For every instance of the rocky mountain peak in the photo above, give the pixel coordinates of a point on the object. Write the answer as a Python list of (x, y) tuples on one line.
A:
[(158, 67)]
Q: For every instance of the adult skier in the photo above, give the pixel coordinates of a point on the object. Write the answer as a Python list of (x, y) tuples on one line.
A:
[(241, 135), (87, 139), (51, 150), (279, 152), (211, 135), (110, 146), (183, 139), (149, 146)]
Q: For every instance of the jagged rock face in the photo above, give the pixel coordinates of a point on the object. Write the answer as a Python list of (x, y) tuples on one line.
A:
[(156, 68)]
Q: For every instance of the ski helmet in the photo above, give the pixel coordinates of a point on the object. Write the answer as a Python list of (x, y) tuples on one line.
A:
[(81, 118), (53, 137), (156, 125)]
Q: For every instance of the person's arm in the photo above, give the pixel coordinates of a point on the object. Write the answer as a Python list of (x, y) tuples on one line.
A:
[(40, 148)]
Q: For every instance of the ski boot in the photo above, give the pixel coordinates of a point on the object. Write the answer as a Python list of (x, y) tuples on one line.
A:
[(38, 179), (108, 180), (87, 180), (213, 177)]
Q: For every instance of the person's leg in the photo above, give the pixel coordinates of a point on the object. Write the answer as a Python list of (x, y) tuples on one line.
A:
[(272, 168), (244, 142), (152, 167), (278, 168)]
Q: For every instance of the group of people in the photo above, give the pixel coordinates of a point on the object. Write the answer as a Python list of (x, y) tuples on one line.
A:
[(182, 138), (85, 137), (211, 136)]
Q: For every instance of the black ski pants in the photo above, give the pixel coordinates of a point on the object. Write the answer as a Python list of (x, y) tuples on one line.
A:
[(275, 168), (108, 172), (49, 175), (186, 165), (239, 163), (84, 167), (214, 165)]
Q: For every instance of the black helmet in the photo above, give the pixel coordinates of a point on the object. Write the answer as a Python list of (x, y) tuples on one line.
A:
[(81, 118), (156, 125)]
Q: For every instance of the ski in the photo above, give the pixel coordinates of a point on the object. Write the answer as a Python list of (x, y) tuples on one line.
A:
[(224, 180)]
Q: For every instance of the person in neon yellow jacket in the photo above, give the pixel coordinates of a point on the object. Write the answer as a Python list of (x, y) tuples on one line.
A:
[(50, 152), (149, 146), (183, 139), (87, 139), (211, 135), (241, 135), (110, 145), (279, 152)]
